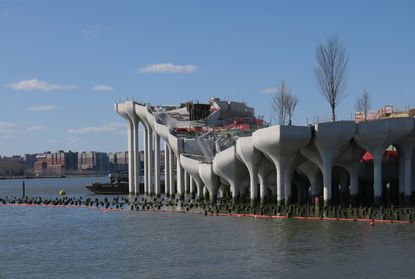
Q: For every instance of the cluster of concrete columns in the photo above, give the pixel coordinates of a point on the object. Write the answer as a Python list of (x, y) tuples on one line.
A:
[(265, 163), (175, 177)]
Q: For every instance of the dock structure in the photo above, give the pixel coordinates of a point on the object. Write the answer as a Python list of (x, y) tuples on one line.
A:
[(220, 149)]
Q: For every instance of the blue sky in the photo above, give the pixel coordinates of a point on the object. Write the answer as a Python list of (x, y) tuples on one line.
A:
[(64, 63)]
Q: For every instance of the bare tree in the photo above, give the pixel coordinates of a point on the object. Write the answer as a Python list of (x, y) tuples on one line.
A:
[(363, 104), (331, 72), (284, 104), (278, 103), (291, 102)]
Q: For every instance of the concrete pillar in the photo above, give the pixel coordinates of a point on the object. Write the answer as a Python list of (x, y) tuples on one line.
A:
[(166, 169), (262, 189), (146, 163), (280, 167), (377, 176), (408, 180), (287, 186), (192, 187), (131, 160), (172, 179), (135, 149), (150, 159), (265, 169), (127, 111), (327, 179), (157, 165), (253, 186), (180, 178), (186, 182), (354, 183)]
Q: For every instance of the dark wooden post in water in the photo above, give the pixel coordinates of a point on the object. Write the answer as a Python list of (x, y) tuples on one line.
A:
[(24, 189)]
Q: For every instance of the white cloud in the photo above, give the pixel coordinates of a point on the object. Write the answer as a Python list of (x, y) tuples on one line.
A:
[(90, 33), (102, 88), (35, 84), (168, 68), (7, 129), (37, 128), (269, 90), (43, 108), (105, 128)]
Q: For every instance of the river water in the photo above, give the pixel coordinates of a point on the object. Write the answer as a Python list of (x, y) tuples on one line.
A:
[(43, 242)]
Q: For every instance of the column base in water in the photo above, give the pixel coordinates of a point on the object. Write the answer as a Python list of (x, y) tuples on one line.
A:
[(254, 201), (408, 200), (377, 201), (326, 203), (353, 200)]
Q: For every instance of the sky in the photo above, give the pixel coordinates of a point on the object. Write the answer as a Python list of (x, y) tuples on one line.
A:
[(63, 64)]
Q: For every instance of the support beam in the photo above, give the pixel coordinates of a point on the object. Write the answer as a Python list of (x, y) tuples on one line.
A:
[(150, 159), (172, 179), (180, 178), (146, 163), (157, 165), (166, 169)]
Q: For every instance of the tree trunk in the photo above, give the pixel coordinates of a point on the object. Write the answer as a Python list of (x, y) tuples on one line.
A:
[(333, 114)]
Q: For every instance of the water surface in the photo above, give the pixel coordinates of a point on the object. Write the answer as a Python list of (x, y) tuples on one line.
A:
[(41, 242)]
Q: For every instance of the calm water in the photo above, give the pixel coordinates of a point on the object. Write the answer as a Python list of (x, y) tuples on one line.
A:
[(40, 242)]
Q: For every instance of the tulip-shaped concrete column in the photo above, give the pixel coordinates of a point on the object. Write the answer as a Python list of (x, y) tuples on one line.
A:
[(313, 174), (406, 148), (146, 162), (292, 163), (176, 145), (163, 132), (121, 109), (141, 111), (350, 160), (136, 150), (227, 165), (210, 180), (251, 157), (279, 143), (186, 181), (329, 139), (157, 165), (266, 167), (166, 169), (191, 166), (192, 187), (172, 178), (155, 182), (376, 136), (150, 158)]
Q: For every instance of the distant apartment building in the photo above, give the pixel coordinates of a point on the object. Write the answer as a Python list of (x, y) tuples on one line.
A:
[(56, 164), (40, 167), (118, 161), (93, 162)]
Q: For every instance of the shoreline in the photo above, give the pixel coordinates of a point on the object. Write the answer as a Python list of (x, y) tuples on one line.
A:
[(359, 214)]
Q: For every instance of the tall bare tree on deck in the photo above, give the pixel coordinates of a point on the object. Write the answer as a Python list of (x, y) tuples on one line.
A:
[(278, 103), (332, 62), (363, 104)]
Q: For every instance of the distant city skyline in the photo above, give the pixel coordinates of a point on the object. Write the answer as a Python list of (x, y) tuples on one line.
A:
[(65, 64)]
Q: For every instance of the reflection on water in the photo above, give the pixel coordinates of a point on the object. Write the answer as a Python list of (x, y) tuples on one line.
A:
[(39, 242)]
